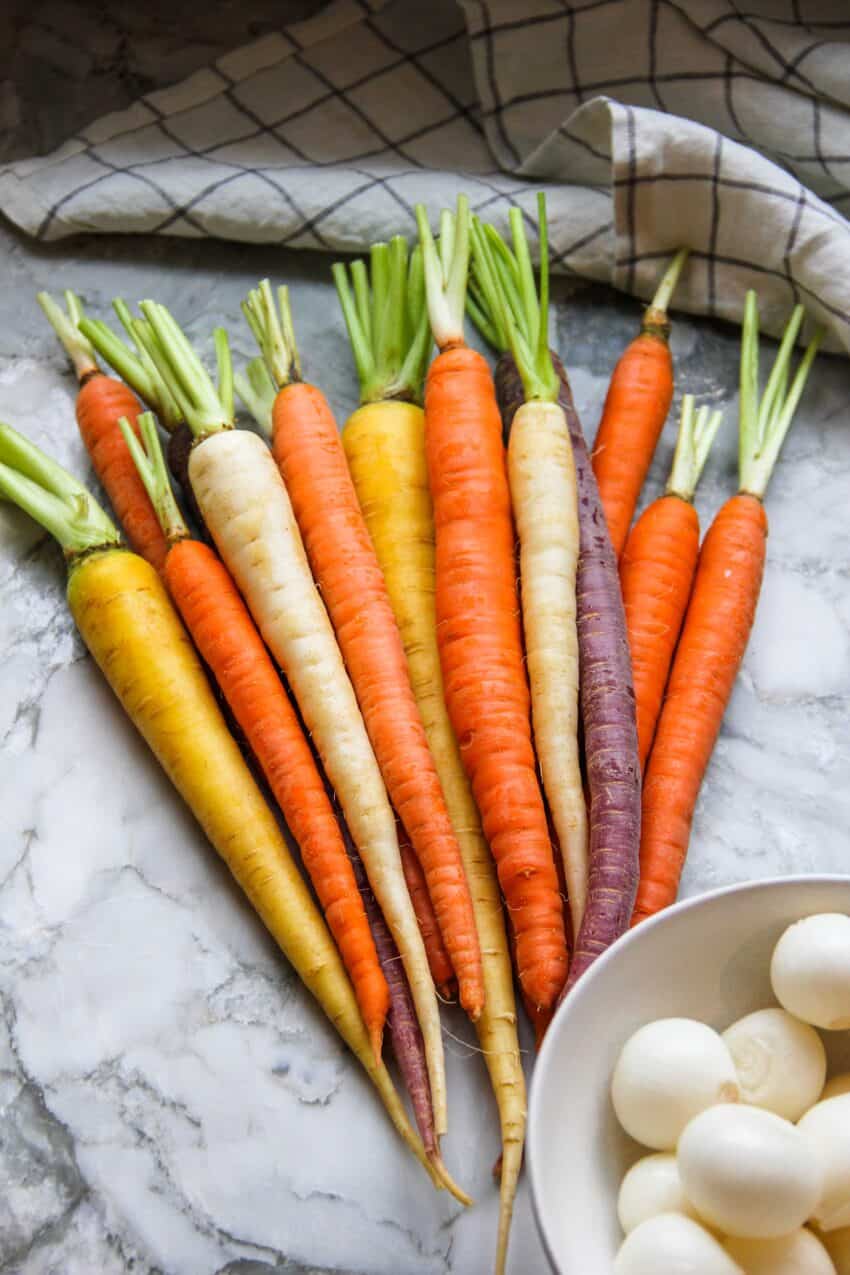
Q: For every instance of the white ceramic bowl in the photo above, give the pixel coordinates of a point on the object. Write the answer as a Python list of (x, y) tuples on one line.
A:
[(706, 958)]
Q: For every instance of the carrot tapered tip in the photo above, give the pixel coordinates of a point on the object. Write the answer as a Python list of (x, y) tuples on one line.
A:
[(376, 1038), (446, 1180), (472, 1002)]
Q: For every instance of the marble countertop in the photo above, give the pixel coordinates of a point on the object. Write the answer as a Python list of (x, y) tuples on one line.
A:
[(171, 1101)]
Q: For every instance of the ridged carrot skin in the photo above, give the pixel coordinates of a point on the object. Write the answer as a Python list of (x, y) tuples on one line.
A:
[(101, 402), (542, 477), (248, 511), (480, 644), (636, 406), (309, 453), (408, 1046), (385, 446), (607, 699), (224, 633), (712, 645), (135, 636), (417, 887), (656, 575)]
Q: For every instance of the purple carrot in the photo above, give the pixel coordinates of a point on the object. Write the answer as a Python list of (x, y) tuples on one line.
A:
[(404, 1030), (607, 699)]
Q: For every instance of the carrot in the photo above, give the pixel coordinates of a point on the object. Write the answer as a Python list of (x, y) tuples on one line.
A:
[(138, 368), (247, 509), (384, 443), (657, 570), (478, 626), (438, 960), (233, 651), (310, 456), (605, 675), (542, 478), (134, 635), (718, 622), (100, 402), (636, 406), (406, 1037)]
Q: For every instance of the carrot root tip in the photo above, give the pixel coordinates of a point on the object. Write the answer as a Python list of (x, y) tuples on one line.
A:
[(447, 1181), (376, 1036)]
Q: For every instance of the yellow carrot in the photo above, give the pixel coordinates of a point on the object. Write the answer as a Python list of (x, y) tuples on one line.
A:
[(134, 635)]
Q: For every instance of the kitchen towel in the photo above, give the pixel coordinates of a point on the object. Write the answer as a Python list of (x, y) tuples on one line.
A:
[(650, 124)]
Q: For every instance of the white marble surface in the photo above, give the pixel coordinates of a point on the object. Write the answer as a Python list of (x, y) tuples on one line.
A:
[(170, 1100)]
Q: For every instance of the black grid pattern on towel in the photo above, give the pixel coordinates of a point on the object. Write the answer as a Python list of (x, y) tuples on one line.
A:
[(636, 115)]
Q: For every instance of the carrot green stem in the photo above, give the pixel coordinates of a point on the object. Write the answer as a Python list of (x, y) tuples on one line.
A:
[(150, 463), (486, 302), (162, 401), (391, 347), (446, 271), (224, 364), (52, 496), (204, 408), (697, 431), (360, 281), (508, 291), (379, 263), (669, 280), (68, 329), (764, 423), (483, 306), (119, 357), (477, 311), (134, 367), (273, 331), (776, 388), (257, 391), (417, 303), (525, 270)]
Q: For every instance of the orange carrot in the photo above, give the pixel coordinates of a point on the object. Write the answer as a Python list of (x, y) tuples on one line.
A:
[(636, 406), (438, 960), (225, 635), (718, 622), (478, 625), (657, 570), (312, 463), (101, 402)]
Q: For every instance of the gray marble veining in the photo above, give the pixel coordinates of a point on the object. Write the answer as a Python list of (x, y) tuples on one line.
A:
[(170, 1100)]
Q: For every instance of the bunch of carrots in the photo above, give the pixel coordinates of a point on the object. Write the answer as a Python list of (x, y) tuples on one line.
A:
[(482, 698)]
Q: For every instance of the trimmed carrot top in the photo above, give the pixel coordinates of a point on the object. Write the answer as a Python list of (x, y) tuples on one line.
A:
[(655, 319), (135, 366), (387, 320), (206, 408), (697, 431), (53, 497), (274, 332), (446, 265), (766, 419), (504, 300), (70, 330), (150, 462)]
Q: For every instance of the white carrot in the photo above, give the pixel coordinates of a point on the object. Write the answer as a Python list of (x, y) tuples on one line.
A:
[(542, 481), (246, 507)]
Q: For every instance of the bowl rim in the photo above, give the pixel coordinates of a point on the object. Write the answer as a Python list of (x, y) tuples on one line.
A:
[(585, 986)]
